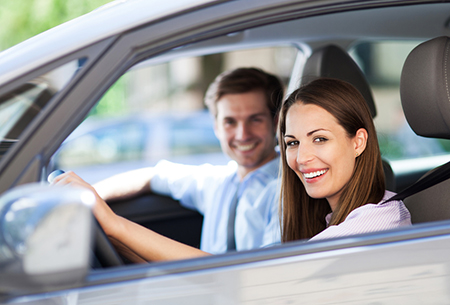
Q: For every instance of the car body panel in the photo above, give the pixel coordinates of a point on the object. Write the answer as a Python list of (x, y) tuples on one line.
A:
[(388, 268)]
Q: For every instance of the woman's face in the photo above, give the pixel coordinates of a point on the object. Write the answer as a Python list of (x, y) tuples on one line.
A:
[(320, 152)]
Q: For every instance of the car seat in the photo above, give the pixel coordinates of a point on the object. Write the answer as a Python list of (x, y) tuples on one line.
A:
[(425, 97), (332, 61)]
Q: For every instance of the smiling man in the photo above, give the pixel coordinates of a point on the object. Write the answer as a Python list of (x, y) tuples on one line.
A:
[(237, 214)]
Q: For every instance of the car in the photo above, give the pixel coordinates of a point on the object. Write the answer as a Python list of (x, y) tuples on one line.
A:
[(51, 83)]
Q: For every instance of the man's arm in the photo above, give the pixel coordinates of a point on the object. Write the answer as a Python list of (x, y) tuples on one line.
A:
[(125, 185)]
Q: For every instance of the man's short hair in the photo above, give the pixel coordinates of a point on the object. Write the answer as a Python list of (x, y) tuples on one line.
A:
[(244, 80)]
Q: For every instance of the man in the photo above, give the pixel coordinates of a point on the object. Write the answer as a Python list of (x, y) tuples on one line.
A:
[(244, 103)]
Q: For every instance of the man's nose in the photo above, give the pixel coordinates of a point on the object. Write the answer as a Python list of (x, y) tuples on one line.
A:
[(243, 131)]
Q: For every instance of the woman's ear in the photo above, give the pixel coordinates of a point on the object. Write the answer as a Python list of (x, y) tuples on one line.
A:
[(360, 141)]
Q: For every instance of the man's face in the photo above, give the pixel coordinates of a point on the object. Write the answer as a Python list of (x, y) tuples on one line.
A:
[(246, 130)]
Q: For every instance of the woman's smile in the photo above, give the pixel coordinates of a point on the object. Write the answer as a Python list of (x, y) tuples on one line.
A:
[(313, 176)]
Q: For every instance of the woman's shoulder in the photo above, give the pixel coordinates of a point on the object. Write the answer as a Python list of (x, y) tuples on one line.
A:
[(389, 211)]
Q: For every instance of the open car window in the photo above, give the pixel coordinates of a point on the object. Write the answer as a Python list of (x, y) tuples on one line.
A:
[(156, 111)]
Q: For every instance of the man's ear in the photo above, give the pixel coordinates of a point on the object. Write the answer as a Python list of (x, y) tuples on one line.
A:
[(360, 141)]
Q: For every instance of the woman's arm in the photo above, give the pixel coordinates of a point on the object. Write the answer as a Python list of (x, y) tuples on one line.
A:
[(134, 241)]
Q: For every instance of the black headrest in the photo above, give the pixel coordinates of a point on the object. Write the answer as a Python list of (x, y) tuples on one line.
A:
[(425, 88), (332, 61)]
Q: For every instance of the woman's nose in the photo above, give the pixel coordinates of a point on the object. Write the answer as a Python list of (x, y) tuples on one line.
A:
[(304, 154)]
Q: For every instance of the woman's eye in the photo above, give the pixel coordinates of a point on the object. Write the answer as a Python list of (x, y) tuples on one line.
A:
[(292, 143), (320, 139)]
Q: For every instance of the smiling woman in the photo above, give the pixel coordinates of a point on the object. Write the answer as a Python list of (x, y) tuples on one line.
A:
[(332, 175)]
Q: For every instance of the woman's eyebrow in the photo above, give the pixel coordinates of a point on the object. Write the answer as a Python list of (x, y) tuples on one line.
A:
[(289, 136), (316, 130)]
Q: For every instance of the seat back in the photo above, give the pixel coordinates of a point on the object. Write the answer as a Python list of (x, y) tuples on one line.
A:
[(425, 97), (332, 61)]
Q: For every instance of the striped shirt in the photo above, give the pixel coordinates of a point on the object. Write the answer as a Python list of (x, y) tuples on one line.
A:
[(369, 218)]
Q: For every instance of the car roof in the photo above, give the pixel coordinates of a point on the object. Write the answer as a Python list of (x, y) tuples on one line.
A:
[(108, 20)]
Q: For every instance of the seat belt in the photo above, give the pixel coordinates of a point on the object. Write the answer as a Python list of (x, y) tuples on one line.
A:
[(439, 175)]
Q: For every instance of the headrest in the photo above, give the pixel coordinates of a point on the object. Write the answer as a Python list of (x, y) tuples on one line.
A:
[(332, 61), (424, 88)]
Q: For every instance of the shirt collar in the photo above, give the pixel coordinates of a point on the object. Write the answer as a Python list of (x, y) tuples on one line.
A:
[(270, 169)]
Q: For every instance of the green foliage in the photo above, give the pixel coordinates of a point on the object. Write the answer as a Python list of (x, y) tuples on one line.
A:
[(22, 19), (114, 101)]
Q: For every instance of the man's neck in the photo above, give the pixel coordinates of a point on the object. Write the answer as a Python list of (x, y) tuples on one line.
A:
[(243, 171)]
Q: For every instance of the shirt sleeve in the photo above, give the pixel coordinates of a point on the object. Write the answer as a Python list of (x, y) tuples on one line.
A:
[(190, 184), (369, 218)]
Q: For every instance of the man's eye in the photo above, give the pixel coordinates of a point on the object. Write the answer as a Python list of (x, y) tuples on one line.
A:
[(228, 122)]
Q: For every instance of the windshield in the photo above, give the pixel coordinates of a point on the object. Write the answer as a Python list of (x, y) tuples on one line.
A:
[(20, 106)]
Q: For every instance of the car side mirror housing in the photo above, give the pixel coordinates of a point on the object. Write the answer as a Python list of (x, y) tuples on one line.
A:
[(45, 237)]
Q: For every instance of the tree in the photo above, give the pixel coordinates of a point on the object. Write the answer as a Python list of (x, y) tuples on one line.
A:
[(22, 19)]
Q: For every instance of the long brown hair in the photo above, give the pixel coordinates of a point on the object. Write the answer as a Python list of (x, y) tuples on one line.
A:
[(303, 216)]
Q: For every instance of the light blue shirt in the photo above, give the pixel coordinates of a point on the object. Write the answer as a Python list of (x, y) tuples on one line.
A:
[(210, 189)]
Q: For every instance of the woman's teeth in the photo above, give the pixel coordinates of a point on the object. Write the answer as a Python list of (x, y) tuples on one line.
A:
[(314, 174)]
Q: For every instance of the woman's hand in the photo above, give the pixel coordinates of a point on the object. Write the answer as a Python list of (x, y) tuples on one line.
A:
[(105, 216)]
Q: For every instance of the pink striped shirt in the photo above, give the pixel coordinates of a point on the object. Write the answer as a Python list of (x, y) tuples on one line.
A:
[(369, 218)]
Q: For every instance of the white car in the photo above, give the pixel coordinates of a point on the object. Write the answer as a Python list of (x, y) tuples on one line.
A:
[(50, 83)]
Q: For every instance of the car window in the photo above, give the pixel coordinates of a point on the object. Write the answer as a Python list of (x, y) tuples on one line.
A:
[(156, 111), (21, 105), (382, 63)]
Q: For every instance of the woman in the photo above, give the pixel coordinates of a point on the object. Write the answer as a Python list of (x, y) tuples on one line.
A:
[(332, 176)]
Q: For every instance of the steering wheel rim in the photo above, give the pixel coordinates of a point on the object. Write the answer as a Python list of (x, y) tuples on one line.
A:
[(104, 251)]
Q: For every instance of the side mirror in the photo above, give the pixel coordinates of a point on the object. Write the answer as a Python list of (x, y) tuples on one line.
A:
[(45, 237)]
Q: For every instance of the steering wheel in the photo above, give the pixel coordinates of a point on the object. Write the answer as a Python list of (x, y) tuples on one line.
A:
[(104, 252)]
